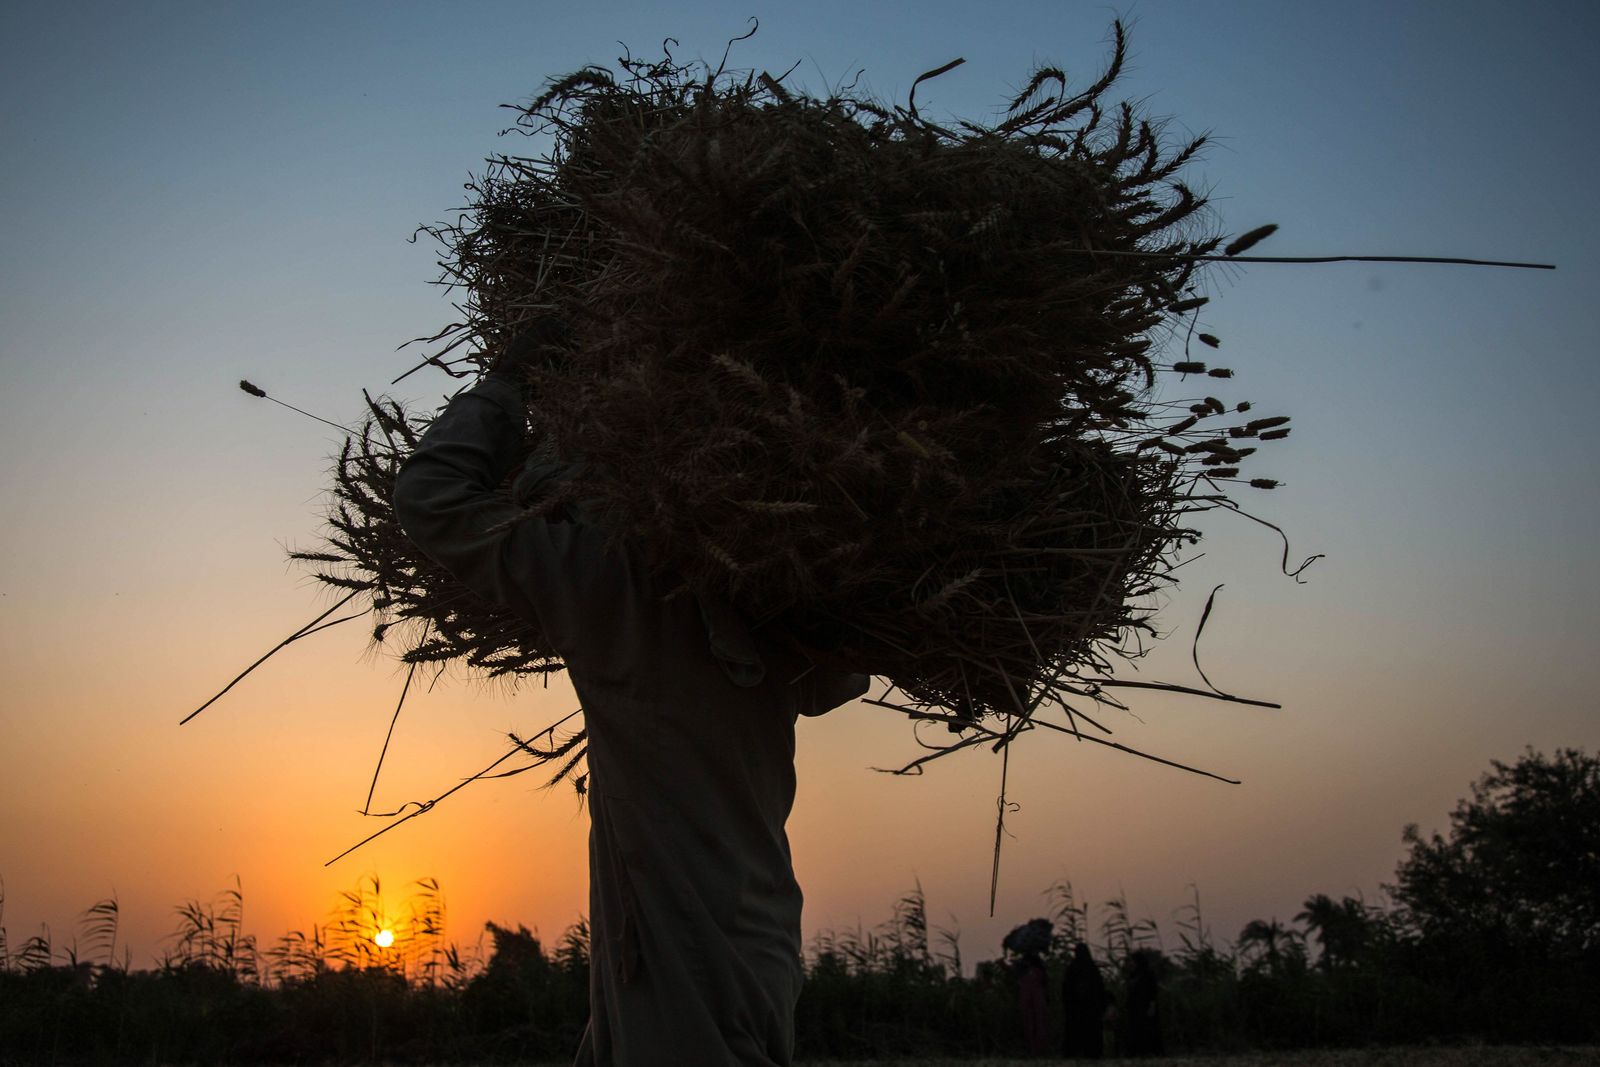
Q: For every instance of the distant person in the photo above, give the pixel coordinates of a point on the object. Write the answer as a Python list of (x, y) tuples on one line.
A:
[(1027, 944), (1083, 1000), (690, 711), (1032, 983), (1142, 1018)]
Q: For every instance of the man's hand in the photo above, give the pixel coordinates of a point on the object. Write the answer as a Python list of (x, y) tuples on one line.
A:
[(533, 344)]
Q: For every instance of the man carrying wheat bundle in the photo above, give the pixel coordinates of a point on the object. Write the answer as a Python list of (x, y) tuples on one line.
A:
[(820, 390)]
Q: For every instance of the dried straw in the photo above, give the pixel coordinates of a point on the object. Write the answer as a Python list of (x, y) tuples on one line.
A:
[(888, 384)]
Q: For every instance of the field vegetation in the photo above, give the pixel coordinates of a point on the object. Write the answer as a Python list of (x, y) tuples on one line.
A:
[(1490, 938)]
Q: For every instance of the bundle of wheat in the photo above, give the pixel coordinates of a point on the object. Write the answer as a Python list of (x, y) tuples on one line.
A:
[(366, 551), (888, 383)]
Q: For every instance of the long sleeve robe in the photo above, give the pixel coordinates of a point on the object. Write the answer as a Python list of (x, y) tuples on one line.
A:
[(694, 908)]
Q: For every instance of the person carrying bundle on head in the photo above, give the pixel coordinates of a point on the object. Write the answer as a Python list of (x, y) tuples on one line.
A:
[(690, 712)]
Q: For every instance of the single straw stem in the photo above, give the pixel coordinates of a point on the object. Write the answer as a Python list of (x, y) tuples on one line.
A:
[(1460, 261), (999, 827), (405, 690), (309, 628), (425, 806), (422, 809), (256, 390)]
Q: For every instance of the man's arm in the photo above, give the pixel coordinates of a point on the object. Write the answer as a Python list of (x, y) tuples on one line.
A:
[(447, 499)]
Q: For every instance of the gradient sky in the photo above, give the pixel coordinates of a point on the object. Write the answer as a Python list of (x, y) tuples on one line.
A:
[(196, 193)]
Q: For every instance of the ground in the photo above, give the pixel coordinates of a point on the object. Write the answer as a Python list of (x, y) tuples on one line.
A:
[(1479, 1056)]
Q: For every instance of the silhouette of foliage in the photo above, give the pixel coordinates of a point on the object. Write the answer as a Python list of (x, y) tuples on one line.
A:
[(1521, 865), (1341, 928), (1504, 963)]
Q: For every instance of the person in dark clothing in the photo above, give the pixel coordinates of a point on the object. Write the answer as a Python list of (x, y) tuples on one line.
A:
[(694, 908), (1025, 947), (1032, 986), (1083, 1000), (1142, 1019)]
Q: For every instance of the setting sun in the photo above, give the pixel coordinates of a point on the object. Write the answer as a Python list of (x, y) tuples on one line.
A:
[(384, 938)]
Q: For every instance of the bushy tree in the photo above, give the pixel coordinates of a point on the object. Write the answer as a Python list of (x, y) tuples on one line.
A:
[(1342, 928), (1272, 947), (1520, 870)]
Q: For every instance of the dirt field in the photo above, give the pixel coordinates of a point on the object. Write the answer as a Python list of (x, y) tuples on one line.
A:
[(1476, 1056)]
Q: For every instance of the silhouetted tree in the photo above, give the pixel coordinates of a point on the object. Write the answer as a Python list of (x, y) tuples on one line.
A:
[(1272, 945), (1341, 928), (1520, 871)]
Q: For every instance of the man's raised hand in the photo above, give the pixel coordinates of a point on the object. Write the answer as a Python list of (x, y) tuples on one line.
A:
[(534, 343)]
